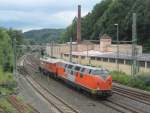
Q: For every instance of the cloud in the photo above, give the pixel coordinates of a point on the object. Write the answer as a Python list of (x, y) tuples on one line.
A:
[(28, 14)]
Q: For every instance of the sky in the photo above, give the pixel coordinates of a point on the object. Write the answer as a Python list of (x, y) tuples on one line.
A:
[(36, 14)]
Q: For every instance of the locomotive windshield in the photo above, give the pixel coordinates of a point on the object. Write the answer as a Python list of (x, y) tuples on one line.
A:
[(70, 66), (102, 72), (77, 68)]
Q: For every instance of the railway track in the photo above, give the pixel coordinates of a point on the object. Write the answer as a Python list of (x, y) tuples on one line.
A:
[(120, 107), (21, 108), (124, 108), (57, 102), (61, 106), (134, 95)]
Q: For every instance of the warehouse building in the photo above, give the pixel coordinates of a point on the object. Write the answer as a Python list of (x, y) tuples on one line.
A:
[(103, 54)]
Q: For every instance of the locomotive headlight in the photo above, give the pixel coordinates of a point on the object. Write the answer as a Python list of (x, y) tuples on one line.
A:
[(98, 86), (109, 82)]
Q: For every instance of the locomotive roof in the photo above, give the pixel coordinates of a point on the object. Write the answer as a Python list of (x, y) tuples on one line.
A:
[(65, 62), (94, 68), (50, 60), (89, 67)]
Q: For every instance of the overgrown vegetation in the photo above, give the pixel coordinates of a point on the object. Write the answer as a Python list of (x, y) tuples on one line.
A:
[(5, 105), (6, 47), (7, 83), (141, 81), (105, 14)]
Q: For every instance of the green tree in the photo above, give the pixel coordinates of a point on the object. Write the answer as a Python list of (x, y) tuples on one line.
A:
[(5, 50), (105, 14)]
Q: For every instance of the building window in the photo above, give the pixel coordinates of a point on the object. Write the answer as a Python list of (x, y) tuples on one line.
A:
[(105, 59), (121, 61), (66, 55), (128, 62), (112, 60), (75, 56), (82, 57), (142, 64), (93, 58), (148, 64), (99, 59)]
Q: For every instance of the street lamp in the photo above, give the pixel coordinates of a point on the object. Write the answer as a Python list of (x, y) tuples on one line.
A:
[(117, 26)]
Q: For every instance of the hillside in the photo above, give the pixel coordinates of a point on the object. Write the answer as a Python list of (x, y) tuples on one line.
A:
[(44, 35), (105, 14)]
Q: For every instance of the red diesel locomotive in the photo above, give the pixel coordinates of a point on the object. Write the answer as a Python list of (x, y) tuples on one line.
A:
[(96, 81)]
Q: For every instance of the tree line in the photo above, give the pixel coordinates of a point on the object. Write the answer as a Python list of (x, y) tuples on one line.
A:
[(105, 14), (6, 47)]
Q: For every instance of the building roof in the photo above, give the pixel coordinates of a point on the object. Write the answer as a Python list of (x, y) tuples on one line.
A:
[(50, 60), (105, 36), (97, 54)]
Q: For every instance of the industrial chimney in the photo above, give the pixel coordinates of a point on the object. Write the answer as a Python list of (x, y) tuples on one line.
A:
[(79, 25)]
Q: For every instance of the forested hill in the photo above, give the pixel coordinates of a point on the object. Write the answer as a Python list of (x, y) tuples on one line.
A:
[(44, 35), (105, 14)]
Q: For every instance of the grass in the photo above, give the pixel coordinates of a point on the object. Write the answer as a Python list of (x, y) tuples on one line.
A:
[(4, 104), (141, 81), (7, 106), (7, 83), (29, 108), (7, 87), (6, 77)]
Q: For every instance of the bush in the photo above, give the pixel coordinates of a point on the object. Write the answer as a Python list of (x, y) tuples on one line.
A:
[(144, 77), (7, 83), (141, 81)]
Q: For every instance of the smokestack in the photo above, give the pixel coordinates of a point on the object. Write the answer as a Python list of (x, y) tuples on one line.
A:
[(79, 25)]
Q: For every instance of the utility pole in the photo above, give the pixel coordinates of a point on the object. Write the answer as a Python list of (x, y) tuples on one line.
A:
[(134, 46), (79, 24), (14, 51), (117, 46), (70, 50)]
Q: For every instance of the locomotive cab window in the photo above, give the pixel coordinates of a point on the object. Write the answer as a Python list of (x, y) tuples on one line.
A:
[(82, 70), (77, 68), (102, 72), (87, 71), (70, 66), (66, 65), (63, 65)]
